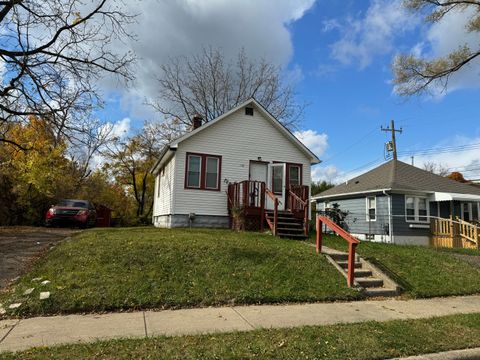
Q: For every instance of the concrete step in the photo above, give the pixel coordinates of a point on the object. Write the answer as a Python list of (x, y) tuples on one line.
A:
[(344, 264), (361, 273), (380, 292), (369, 282), (339, 257)]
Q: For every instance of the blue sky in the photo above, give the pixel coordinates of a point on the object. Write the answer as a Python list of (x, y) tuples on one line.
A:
[(339, 54)]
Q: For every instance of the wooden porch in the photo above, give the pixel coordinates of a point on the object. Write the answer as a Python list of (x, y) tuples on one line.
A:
[(252, 206), (454, 233)]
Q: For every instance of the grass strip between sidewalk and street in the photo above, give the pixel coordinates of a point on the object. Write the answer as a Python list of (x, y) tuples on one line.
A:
[(360, 341)]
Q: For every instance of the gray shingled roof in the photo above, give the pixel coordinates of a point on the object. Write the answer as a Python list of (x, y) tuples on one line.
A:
[(397, 175)]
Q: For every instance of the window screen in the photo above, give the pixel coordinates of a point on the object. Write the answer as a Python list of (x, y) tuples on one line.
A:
[(193, 175)]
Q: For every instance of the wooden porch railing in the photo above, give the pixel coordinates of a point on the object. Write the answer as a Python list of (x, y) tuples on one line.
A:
[(454, 233), (352, 244), (273, 226), (298, 203), (247, 195), (469, 232)]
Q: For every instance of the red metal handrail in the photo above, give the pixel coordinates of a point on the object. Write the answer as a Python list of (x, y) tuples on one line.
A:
[(272, 196), (352, 244)]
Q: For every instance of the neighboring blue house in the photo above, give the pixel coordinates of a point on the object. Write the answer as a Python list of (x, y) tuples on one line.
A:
[(394, 203)]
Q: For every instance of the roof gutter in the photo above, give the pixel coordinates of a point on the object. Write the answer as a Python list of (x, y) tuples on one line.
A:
[(160, 157), (320, 197)]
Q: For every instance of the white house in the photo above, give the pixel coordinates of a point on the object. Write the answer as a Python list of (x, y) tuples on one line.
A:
[(193, 173)]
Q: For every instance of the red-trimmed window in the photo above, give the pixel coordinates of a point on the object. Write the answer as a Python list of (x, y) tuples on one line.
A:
[(194, 171), (203, 171), (295, 174)]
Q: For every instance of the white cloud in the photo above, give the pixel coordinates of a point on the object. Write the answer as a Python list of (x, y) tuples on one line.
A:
[(316, 142), (370, 35), (167, 29), (328, 173), (120, 129)]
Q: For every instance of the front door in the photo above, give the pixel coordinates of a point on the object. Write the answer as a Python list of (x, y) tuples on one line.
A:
[(258, 171), (276, 183)]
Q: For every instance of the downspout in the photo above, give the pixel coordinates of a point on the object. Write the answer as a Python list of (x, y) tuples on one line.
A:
[(390, 222)]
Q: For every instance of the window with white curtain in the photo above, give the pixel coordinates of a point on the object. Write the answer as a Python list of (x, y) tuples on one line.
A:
[(416, 209)]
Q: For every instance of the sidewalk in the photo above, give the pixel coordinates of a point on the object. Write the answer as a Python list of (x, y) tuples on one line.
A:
[(22, 334)]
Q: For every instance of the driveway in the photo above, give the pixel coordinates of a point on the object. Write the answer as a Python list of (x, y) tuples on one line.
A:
[(20, 246)]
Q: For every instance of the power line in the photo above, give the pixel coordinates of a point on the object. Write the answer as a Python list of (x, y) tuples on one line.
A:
[(351, 145), (440, 150)]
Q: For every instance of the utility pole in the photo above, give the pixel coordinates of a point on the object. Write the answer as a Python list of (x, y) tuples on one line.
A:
[(393, 131)]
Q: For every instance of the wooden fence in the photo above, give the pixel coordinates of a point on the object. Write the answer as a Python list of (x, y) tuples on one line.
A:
[(454, 233)]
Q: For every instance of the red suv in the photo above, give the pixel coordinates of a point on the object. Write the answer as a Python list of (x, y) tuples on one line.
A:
[(80, 213)]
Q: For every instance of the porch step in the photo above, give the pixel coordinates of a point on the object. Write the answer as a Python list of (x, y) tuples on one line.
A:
[(292, 236), (368, 278), (370, 282), (344, 264), (288, 226), (361, 273), (381, 292)]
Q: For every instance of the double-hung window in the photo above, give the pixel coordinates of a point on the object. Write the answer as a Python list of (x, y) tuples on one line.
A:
[(466, 211), (416, 209), (194, 170), (371, 208), (212, 170), (203, 172), (294, 174)]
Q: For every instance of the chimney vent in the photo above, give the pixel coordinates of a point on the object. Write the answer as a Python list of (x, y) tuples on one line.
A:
[(196, 121)]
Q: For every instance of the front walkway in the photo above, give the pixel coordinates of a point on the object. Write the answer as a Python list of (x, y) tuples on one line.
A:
[(22, 334)]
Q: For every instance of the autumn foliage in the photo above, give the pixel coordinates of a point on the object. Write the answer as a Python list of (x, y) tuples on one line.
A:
[(32, 180)]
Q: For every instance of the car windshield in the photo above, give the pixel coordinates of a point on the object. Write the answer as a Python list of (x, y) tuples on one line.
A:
[(73, 203)]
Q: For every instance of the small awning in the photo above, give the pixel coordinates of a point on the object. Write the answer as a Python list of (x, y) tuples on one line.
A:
[(444, 196)]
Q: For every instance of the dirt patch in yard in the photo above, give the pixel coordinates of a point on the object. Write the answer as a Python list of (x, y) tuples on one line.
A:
[(471, 259), (20, 246)]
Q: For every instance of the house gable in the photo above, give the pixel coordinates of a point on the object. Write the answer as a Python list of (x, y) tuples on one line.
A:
[(251, 103), (238, 139)]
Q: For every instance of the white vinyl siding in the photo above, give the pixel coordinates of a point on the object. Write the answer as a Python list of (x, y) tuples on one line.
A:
[(238, 139), (164, 183)]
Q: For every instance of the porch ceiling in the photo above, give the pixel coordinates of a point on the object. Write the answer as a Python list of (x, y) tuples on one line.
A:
[(445, 196)]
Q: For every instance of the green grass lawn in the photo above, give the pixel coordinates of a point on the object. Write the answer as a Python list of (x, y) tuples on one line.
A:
[(360, 341), (421, 271), (144, 268)]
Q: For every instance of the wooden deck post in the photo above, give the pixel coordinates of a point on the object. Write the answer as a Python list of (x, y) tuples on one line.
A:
[(319, 234), (262, 206), (275, 217)]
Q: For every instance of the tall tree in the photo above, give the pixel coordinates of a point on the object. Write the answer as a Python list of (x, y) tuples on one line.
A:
[(53, 52), (209, 85), (130, 162), (435, 168), (414, 75)]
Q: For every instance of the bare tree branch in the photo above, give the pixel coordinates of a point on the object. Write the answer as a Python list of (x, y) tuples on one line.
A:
[(209, 85)]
